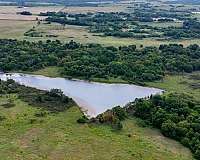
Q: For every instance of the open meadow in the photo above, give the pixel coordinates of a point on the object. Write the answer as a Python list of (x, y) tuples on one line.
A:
[(59, 136), (10, 12), (185, 83)]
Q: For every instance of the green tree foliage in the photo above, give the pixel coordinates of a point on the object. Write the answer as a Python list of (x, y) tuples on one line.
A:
[(96, 61), (125, 25), (112, 117), (177, 115)]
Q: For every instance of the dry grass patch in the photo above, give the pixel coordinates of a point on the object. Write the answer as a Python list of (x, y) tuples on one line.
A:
[(10, 12), (14, 29), (103, 8)]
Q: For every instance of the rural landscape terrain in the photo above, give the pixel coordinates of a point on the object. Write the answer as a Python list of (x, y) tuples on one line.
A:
[(154, 44)]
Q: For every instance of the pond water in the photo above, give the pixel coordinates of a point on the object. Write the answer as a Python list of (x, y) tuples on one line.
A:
[(93, 98)]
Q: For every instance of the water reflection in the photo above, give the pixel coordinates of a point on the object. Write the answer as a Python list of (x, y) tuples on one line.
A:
[(92, 97)]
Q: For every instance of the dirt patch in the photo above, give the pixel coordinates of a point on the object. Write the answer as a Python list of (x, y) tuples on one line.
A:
[(32, 134)]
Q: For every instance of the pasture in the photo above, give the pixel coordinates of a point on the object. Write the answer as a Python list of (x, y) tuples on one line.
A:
[(59, 136)]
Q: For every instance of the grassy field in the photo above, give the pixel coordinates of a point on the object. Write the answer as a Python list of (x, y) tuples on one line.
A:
[(10, 12), (59, 136), (81, 34), (102, 8), (162, 24), (14, 29), (49, 72)]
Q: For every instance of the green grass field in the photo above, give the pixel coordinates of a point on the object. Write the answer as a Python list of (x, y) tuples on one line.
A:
[(48, 71), (59, 136)]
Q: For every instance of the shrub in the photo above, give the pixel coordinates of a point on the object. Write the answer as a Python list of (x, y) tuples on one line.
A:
[(82, 119)]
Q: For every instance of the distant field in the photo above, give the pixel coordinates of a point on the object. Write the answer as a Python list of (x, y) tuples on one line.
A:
[(81, 35), (10, 12), (14, 29), (14, 26), (59, 136), (107, 8), (162, 24)]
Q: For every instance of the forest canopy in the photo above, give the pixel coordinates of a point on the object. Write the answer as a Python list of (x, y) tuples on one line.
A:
[(95, 61)]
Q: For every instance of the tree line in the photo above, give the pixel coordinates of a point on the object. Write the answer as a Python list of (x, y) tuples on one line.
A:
[(96, 61), (127, 25)]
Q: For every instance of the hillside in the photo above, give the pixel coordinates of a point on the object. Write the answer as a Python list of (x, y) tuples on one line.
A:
[(29, 132)]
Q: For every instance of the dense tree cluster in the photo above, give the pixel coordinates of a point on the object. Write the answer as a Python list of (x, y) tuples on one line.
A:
[(25, 13), (110, 24), (112, 117), (177, 115), (95, 61), (190, 29), (127, 25)]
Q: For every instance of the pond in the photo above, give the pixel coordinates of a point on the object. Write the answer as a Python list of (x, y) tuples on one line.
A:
[(93, 98)]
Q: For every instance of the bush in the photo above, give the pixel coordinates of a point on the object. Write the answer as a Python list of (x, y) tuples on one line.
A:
[(83, 119), (119, 112)]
